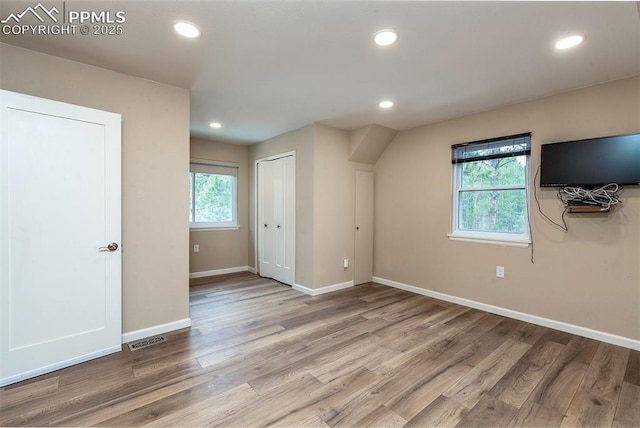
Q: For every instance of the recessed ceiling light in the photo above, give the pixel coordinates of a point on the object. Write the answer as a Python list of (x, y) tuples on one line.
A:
[(186, 29), (215, 125), (569, 42), (385, 37), (386, 104)]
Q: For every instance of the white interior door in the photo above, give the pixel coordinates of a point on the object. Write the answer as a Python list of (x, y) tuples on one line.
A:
[(363, 257), (60, 295), (276, 218)]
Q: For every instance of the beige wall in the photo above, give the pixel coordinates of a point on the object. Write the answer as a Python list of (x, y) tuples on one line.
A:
[(300, 141), (587, 277), (222, 249), (155, 163)]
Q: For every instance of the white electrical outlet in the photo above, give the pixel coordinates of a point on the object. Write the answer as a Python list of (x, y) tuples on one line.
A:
[(500, 271), (345, 263), (196, 248)]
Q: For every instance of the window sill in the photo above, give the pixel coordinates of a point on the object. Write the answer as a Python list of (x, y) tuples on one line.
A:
[(211, 228), (522, 243)]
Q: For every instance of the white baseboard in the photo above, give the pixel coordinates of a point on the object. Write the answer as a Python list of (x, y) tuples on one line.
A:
[(252, 269), (57, 366), (156, 329), (220, 271), (322, 290), (533, 319)]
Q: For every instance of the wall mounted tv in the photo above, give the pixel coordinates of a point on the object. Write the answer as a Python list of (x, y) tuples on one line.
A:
[(592, 162)]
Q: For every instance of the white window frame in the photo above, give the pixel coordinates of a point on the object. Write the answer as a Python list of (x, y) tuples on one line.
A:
[(205, 166), (488, 237)]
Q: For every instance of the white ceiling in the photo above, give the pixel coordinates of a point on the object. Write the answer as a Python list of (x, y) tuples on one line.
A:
[(264, 68)]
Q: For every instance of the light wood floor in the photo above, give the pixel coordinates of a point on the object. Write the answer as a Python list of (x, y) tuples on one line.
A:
[(261, 354)]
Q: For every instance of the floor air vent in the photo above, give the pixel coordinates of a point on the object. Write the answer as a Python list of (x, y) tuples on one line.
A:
[(143, 343)]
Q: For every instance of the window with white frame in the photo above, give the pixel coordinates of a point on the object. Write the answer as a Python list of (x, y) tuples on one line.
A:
[(490, 188), (213, 194)]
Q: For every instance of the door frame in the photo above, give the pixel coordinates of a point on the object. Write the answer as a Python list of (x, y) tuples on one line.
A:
[(292, 153)]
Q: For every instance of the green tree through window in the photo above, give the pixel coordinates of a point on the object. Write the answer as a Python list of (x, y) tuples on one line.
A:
[(214, 198), (212, 201), (493, 210)]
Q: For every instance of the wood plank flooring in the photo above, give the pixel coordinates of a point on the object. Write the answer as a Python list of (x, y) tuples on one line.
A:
[(261, 354)]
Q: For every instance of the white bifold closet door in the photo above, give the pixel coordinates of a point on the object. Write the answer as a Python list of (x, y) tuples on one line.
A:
[(276, 218)]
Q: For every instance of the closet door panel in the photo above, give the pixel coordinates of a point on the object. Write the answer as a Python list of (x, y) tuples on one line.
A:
[(288, 220), (276, 219), (266, 220), (278, 202)]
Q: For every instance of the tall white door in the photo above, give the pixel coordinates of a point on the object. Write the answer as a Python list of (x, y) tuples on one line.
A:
[(267, 238), (363, 257), (285, 220), (60, 231), (276, 218)]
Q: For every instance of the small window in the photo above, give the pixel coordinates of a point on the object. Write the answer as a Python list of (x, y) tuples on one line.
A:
[(490, 188), (213, 194)]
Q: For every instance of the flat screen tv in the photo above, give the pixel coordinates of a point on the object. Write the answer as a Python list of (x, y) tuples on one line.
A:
[(592, 162)]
